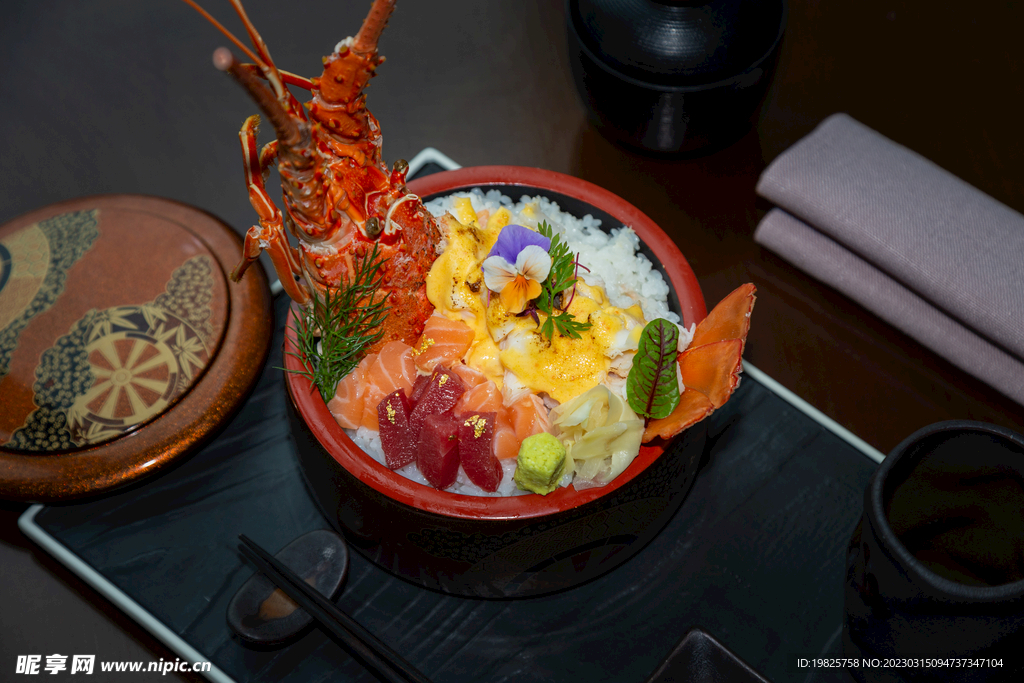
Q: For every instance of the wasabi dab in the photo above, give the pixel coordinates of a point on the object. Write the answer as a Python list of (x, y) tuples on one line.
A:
[(540, 464)]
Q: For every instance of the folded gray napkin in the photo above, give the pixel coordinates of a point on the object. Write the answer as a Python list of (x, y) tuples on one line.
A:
[(925, 251)]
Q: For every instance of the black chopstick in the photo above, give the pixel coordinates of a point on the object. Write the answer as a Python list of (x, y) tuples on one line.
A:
[(364, 644)]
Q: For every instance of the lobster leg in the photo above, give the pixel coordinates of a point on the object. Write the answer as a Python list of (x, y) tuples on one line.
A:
[(272, 240), (269, 235), (286, 76)]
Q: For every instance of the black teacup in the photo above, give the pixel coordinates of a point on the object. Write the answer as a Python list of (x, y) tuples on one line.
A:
[(935, 570)]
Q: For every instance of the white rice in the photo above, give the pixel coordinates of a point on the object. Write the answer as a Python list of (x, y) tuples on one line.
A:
[(627, 276)]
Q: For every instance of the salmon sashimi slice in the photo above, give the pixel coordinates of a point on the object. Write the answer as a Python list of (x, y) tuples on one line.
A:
[(483, 398), (371, 400), (443, 341), (505, 444), (471, 377), (347, 404), (393, 369), (529, 416)]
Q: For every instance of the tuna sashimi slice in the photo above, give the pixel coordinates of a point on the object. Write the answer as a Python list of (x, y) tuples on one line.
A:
[(437, 450), (487, 398), (397, 438), (443, 341), (418, 387), (440, 396), (476, 432), (347, 404)]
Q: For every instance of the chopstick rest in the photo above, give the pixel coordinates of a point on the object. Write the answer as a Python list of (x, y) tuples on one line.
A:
[(263, 614), (372, 651)]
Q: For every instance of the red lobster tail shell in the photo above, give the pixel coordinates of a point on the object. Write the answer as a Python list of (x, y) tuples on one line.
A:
[(711, 366)]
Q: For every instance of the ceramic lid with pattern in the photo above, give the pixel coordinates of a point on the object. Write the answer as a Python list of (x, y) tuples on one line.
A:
[(112, 309)]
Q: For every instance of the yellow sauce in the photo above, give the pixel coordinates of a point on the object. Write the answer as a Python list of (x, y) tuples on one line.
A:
[(562, 367), (462, 208), (456, 273)]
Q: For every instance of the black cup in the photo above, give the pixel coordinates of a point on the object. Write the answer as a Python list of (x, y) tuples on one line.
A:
[(674, 77), (935, 570)]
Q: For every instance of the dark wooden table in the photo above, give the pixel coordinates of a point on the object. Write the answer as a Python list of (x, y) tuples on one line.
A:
[(115, 96)]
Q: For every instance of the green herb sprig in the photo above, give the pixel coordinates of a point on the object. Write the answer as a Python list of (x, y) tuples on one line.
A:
[(333, 332), (561, 277)]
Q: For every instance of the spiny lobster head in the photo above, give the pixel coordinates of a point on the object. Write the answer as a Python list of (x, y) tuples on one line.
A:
[(337, 105), (338, 193), (338, 102)]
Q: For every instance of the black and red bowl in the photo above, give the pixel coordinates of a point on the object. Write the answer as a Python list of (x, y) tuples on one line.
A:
[(522, 545)]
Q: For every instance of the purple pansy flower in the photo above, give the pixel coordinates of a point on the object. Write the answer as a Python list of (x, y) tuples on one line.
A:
[(513, 239), (516, 265)]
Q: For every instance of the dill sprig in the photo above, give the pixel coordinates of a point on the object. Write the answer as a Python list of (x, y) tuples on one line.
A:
[(333, 332), (562, 276)]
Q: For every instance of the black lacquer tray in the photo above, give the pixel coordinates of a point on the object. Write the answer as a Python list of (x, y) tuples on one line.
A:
[(755, 556)]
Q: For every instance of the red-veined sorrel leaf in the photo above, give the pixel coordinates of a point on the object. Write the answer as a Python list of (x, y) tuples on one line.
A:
[(652, 387)]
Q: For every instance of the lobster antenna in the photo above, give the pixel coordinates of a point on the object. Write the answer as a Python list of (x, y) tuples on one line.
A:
[(288, 130), (373, 25), (257, 41), (230, 36)]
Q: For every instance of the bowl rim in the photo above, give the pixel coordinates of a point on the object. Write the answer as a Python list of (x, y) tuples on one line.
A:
[(335, 441)]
